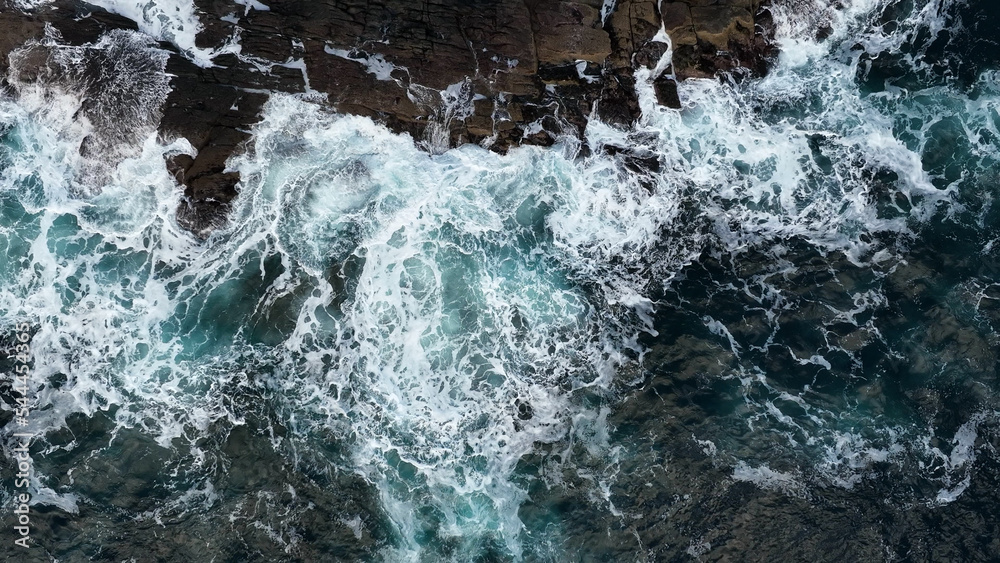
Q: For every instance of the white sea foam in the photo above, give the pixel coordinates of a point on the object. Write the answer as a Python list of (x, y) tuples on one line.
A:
[(173, 21), (102, 98), (467, 301), (767, 478), (792, 156), (432, 294), (807, 174), (453, 319), (253, 5), (374, 64), (607, 9)]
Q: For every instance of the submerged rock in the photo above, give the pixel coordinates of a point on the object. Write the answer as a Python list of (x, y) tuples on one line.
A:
[(494, 72)]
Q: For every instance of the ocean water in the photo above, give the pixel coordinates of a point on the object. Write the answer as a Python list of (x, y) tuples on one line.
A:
[(782, 344)]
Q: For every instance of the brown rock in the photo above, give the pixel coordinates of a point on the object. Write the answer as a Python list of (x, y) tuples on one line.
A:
[(389, 60), (712, 36), (566, 32)]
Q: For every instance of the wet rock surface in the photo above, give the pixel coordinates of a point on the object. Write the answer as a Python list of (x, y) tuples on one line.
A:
[(712, 36), (448, 72)]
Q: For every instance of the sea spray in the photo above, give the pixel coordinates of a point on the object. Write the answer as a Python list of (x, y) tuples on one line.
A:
[(464, 305), (534, 355), (824, 162), (454, 304)]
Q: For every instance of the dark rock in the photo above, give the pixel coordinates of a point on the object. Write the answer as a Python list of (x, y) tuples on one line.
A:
[(215, 117), (666, 91), (511, 67), (713, 36), (636, 161), (18, 29)]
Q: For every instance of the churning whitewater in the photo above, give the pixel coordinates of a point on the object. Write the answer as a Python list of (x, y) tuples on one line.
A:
[(395, 355)]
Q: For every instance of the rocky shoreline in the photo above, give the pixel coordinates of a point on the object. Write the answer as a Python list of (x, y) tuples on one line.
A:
[(499, 73)]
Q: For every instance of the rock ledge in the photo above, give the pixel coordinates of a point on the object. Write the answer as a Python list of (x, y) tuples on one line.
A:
[(499, 73)]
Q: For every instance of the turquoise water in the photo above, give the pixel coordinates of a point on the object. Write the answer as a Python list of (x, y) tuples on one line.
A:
[(782, 344)]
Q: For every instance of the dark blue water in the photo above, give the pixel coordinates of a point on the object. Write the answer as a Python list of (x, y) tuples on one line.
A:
[(783, 345)]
